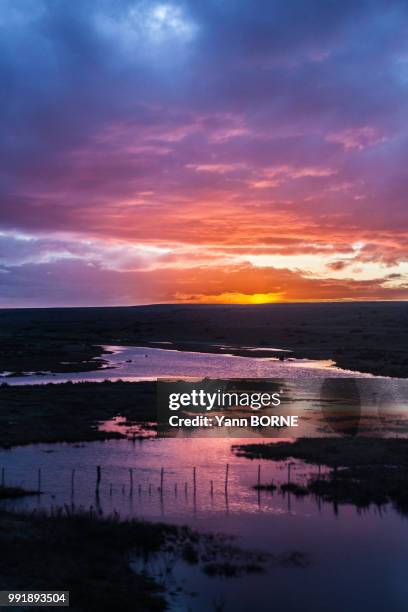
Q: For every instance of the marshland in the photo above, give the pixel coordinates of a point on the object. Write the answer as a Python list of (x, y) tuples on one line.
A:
[(81, 461)]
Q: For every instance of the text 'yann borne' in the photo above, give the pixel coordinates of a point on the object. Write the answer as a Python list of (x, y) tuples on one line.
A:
[(205, 401)]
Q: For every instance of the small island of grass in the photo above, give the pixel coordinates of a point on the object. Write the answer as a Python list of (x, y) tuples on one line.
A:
[(364, 470)]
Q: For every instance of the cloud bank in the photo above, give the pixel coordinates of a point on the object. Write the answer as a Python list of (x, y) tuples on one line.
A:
[(202, 151)]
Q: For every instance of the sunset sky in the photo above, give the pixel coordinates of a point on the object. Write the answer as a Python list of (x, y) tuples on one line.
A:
[(203, 151)]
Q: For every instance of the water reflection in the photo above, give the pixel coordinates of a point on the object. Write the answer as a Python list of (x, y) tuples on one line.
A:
[(356, 557), (338, 540), (171, 478), (145, 363)]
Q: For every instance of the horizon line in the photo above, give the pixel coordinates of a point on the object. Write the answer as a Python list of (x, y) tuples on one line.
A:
[(218, 304)]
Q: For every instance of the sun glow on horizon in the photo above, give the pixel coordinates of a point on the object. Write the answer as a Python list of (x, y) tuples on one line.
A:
[(233, 298), (174, 151)]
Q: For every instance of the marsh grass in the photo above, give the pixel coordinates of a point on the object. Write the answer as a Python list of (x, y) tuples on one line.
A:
[(92, 556), (265, 487), (364, 471), (70, 412), (296, 489), (15, 492), (363, 336), (82, 553)]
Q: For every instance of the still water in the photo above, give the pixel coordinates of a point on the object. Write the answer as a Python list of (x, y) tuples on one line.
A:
[(135, 363), (351, 560)]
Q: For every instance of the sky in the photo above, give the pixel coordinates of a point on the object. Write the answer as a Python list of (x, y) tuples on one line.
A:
[(226, 151)]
